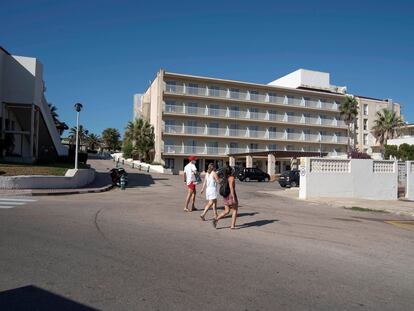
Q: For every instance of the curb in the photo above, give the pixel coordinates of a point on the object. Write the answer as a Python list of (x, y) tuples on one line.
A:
[(38, 192)]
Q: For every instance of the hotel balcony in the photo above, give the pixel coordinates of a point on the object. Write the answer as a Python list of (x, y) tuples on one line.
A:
[(250, 96), (224, 151), (247, 115), (204, 131)]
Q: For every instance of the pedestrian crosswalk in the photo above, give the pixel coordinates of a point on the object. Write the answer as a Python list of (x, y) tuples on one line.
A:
[(11, 202)]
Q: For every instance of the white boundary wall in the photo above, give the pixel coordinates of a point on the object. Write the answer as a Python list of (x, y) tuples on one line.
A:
[(409, 191), (72, 179), (348, 178)]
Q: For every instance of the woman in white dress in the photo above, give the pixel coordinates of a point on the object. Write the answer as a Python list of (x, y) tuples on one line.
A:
[(210, 185)]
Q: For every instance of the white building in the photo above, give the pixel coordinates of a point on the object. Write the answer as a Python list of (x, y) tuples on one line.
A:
[(406, 137), (27, 128)]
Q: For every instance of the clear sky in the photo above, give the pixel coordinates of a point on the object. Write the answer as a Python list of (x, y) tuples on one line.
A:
[(102, 52)]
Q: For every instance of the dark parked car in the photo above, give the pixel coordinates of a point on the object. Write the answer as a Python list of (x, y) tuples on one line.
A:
[(236, 170), (248, 174), (289, 178)]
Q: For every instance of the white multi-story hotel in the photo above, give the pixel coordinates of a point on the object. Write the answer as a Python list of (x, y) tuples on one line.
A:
[(214, 118)]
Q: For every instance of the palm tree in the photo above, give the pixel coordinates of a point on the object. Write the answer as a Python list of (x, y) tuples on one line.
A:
[(83, 135), (386, 126), (110, 137), (140, 135), (93, 141), (53, 110), (349, 113)]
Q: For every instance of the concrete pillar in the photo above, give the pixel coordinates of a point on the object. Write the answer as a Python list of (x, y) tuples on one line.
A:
[(232, 161), (294, 164), (32, 130), (271, 164), (249, 161)]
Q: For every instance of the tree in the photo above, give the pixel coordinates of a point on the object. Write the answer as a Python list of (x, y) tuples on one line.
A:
[(53, 110), (110, 137), (349, 113), (83, 135), (93, 141), (140, 135), (387, 125)]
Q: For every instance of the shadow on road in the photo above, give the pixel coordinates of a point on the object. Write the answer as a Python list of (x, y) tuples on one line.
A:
[(139, 180), (257, 223), (35, 298)]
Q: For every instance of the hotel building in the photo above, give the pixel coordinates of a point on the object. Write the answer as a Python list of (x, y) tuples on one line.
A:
[(214, 118)]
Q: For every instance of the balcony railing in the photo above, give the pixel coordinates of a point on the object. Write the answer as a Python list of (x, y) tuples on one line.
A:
[(244, 95), (223, 151), (245, 115), (247, 133)]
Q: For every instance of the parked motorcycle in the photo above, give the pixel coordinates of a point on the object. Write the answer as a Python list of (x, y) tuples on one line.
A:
[(117, 174)]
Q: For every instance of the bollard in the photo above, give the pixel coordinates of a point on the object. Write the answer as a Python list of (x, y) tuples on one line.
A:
[(139, 167), (148, 169), (132, 165), (123, 162)]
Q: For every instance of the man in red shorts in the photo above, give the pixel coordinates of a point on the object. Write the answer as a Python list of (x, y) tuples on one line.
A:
[(189, 178)]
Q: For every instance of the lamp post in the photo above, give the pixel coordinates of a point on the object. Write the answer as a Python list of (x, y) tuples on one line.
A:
[(78, 108)]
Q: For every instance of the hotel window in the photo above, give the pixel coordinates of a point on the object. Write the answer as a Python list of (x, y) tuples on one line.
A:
[(170, 106), (212, 147), (191, 127), (214, 91), (234, 112), (365, 109), (272, 97), (234, 147), (254, 113), (170, 126), (192, 108), (272, 147), (254, 95), (213, 110), (365, 124), (169, 163), (290, 99), (192, 88), (253, 131), (290, 148), (169, 146), (213, 129), (171, 86), (290, 115), (290, 133), (272, 132), (253, 147), (234, 130), (272, 114), (191, 146), (234, 93), (365, 139), (307, 101)]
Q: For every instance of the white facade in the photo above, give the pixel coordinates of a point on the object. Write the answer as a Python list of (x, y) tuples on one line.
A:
[(26, 120), (348, 178), (304, 78)]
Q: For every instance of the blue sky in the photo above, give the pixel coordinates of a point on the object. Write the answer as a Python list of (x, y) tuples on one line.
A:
[(102, 52)]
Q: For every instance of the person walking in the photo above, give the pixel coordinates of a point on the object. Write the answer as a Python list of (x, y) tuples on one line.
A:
[(210, 184), (190, 173), (228, 191)]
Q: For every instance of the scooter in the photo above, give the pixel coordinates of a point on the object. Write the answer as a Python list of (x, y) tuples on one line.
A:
[(116, 174)]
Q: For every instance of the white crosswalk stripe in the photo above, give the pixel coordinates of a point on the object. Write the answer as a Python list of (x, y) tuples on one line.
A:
[(11, 202)]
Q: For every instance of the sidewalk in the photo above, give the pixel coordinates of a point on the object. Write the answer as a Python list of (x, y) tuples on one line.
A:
[(398, 207)]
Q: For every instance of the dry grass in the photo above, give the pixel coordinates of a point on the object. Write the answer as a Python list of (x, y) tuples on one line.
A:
[(56, 169)]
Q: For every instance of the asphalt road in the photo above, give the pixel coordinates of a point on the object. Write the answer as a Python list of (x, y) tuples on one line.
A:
[(137, 250)]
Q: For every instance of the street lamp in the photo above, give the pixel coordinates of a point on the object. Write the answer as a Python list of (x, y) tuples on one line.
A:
[(78, 108)]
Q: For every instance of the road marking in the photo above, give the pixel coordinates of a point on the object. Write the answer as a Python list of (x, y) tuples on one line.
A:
[(404, 224), (17, 199), (12, 202)]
